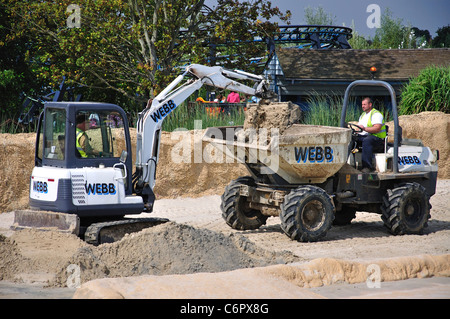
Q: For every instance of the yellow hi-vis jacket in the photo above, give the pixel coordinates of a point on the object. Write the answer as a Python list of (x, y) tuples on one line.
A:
[(380, 134), (80, 133)]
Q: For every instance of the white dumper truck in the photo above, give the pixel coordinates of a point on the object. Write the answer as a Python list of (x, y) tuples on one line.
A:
[(306, 176)]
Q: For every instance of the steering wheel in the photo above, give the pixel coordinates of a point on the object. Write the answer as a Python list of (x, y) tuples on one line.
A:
[(355, 128)]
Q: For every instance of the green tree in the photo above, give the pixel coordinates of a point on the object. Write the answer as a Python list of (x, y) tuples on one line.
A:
[(358, 41), (423, 37), (131, 47), (442, 40), (15, 74), (318, 16), (393, 34)]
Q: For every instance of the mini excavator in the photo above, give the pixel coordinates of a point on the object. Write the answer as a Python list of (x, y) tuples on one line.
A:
[(83, 180)]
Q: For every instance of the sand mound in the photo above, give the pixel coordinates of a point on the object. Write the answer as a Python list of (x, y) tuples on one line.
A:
[(164, 249), (17, 162), (183, 170), (279, 281), (433, 128), (30, 255)]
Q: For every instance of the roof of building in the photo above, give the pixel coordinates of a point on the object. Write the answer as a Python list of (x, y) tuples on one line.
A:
[(393, 64)]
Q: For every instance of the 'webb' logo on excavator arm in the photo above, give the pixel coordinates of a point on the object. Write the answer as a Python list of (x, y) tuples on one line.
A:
[(163, 111)]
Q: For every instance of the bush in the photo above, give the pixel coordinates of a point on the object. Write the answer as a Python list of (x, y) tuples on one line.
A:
[(429, 91)]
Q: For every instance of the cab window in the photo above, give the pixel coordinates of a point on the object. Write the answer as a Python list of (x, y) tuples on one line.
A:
[(99, 134), (54, 138)]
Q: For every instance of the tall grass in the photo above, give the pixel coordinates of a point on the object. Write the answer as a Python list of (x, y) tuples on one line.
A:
[(326, 110), (429, 91), (210, 115), (12, 126)]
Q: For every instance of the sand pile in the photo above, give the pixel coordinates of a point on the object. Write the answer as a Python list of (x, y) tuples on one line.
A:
[(433, 128), (17, 162), (184, 171), (161, 250), (31, 255)]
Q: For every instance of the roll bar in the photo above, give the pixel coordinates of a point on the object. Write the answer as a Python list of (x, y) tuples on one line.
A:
[(394, 111)]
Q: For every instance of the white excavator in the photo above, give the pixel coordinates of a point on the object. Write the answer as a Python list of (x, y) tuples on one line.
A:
[(82, 181)]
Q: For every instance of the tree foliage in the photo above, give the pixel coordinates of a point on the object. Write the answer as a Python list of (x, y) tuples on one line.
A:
[(393, 34), (131, 47), (318, 16), (442, 40)]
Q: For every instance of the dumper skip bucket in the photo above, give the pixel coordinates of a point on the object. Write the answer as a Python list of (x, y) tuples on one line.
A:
[(301, 154)]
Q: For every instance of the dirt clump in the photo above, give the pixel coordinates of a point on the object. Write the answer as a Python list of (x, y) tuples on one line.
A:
[(266, 121), (279, 115)]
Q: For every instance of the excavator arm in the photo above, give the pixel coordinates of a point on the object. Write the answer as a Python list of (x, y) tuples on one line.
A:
[(150, 119)]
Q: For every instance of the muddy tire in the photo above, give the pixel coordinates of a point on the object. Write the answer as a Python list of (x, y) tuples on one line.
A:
[(235, 210), (307, 214), (406, 209), (344, 216)]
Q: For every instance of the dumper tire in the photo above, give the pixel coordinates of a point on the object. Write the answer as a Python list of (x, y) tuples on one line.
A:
[(235, 210), (406, 209), (307, 214)]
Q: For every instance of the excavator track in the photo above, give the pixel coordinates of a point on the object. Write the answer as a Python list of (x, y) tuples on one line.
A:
[(109, 232)]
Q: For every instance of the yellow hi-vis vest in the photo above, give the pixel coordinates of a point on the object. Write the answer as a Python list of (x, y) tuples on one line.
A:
[(80, 133), (380, 134)]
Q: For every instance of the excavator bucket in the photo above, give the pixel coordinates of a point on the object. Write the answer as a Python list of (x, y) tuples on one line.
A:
[(45, 220)]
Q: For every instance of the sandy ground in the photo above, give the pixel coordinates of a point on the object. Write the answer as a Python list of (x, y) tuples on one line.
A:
[(364, 240)]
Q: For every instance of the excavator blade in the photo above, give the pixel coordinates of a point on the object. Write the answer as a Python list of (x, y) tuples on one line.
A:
[(109, 232), (45, 220)]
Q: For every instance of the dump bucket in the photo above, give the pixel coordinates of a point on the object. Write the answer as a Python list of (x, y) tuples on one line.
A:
[(301, 154)]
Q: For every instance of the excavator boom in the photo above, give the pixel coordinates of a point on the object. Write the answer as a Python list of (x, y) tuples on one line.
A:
[(151, 119)]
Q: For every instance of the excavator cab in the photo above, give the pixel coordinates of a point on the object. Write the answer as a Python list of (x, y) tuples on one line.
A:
[(83, 161)]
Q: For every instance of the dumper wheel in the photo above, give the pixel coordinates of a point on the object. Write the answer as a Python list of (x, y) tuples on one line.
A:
[(406, 209), (235, 208), (307, 214)]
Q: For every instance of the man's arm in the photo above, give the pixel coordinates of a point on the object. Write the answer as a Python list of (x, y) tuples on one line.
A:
[(376, 128)]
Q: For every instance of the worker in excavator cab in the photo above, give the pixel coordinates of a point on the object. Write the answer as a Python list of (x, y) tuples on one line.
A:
[(372, 135), (82, 141)]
